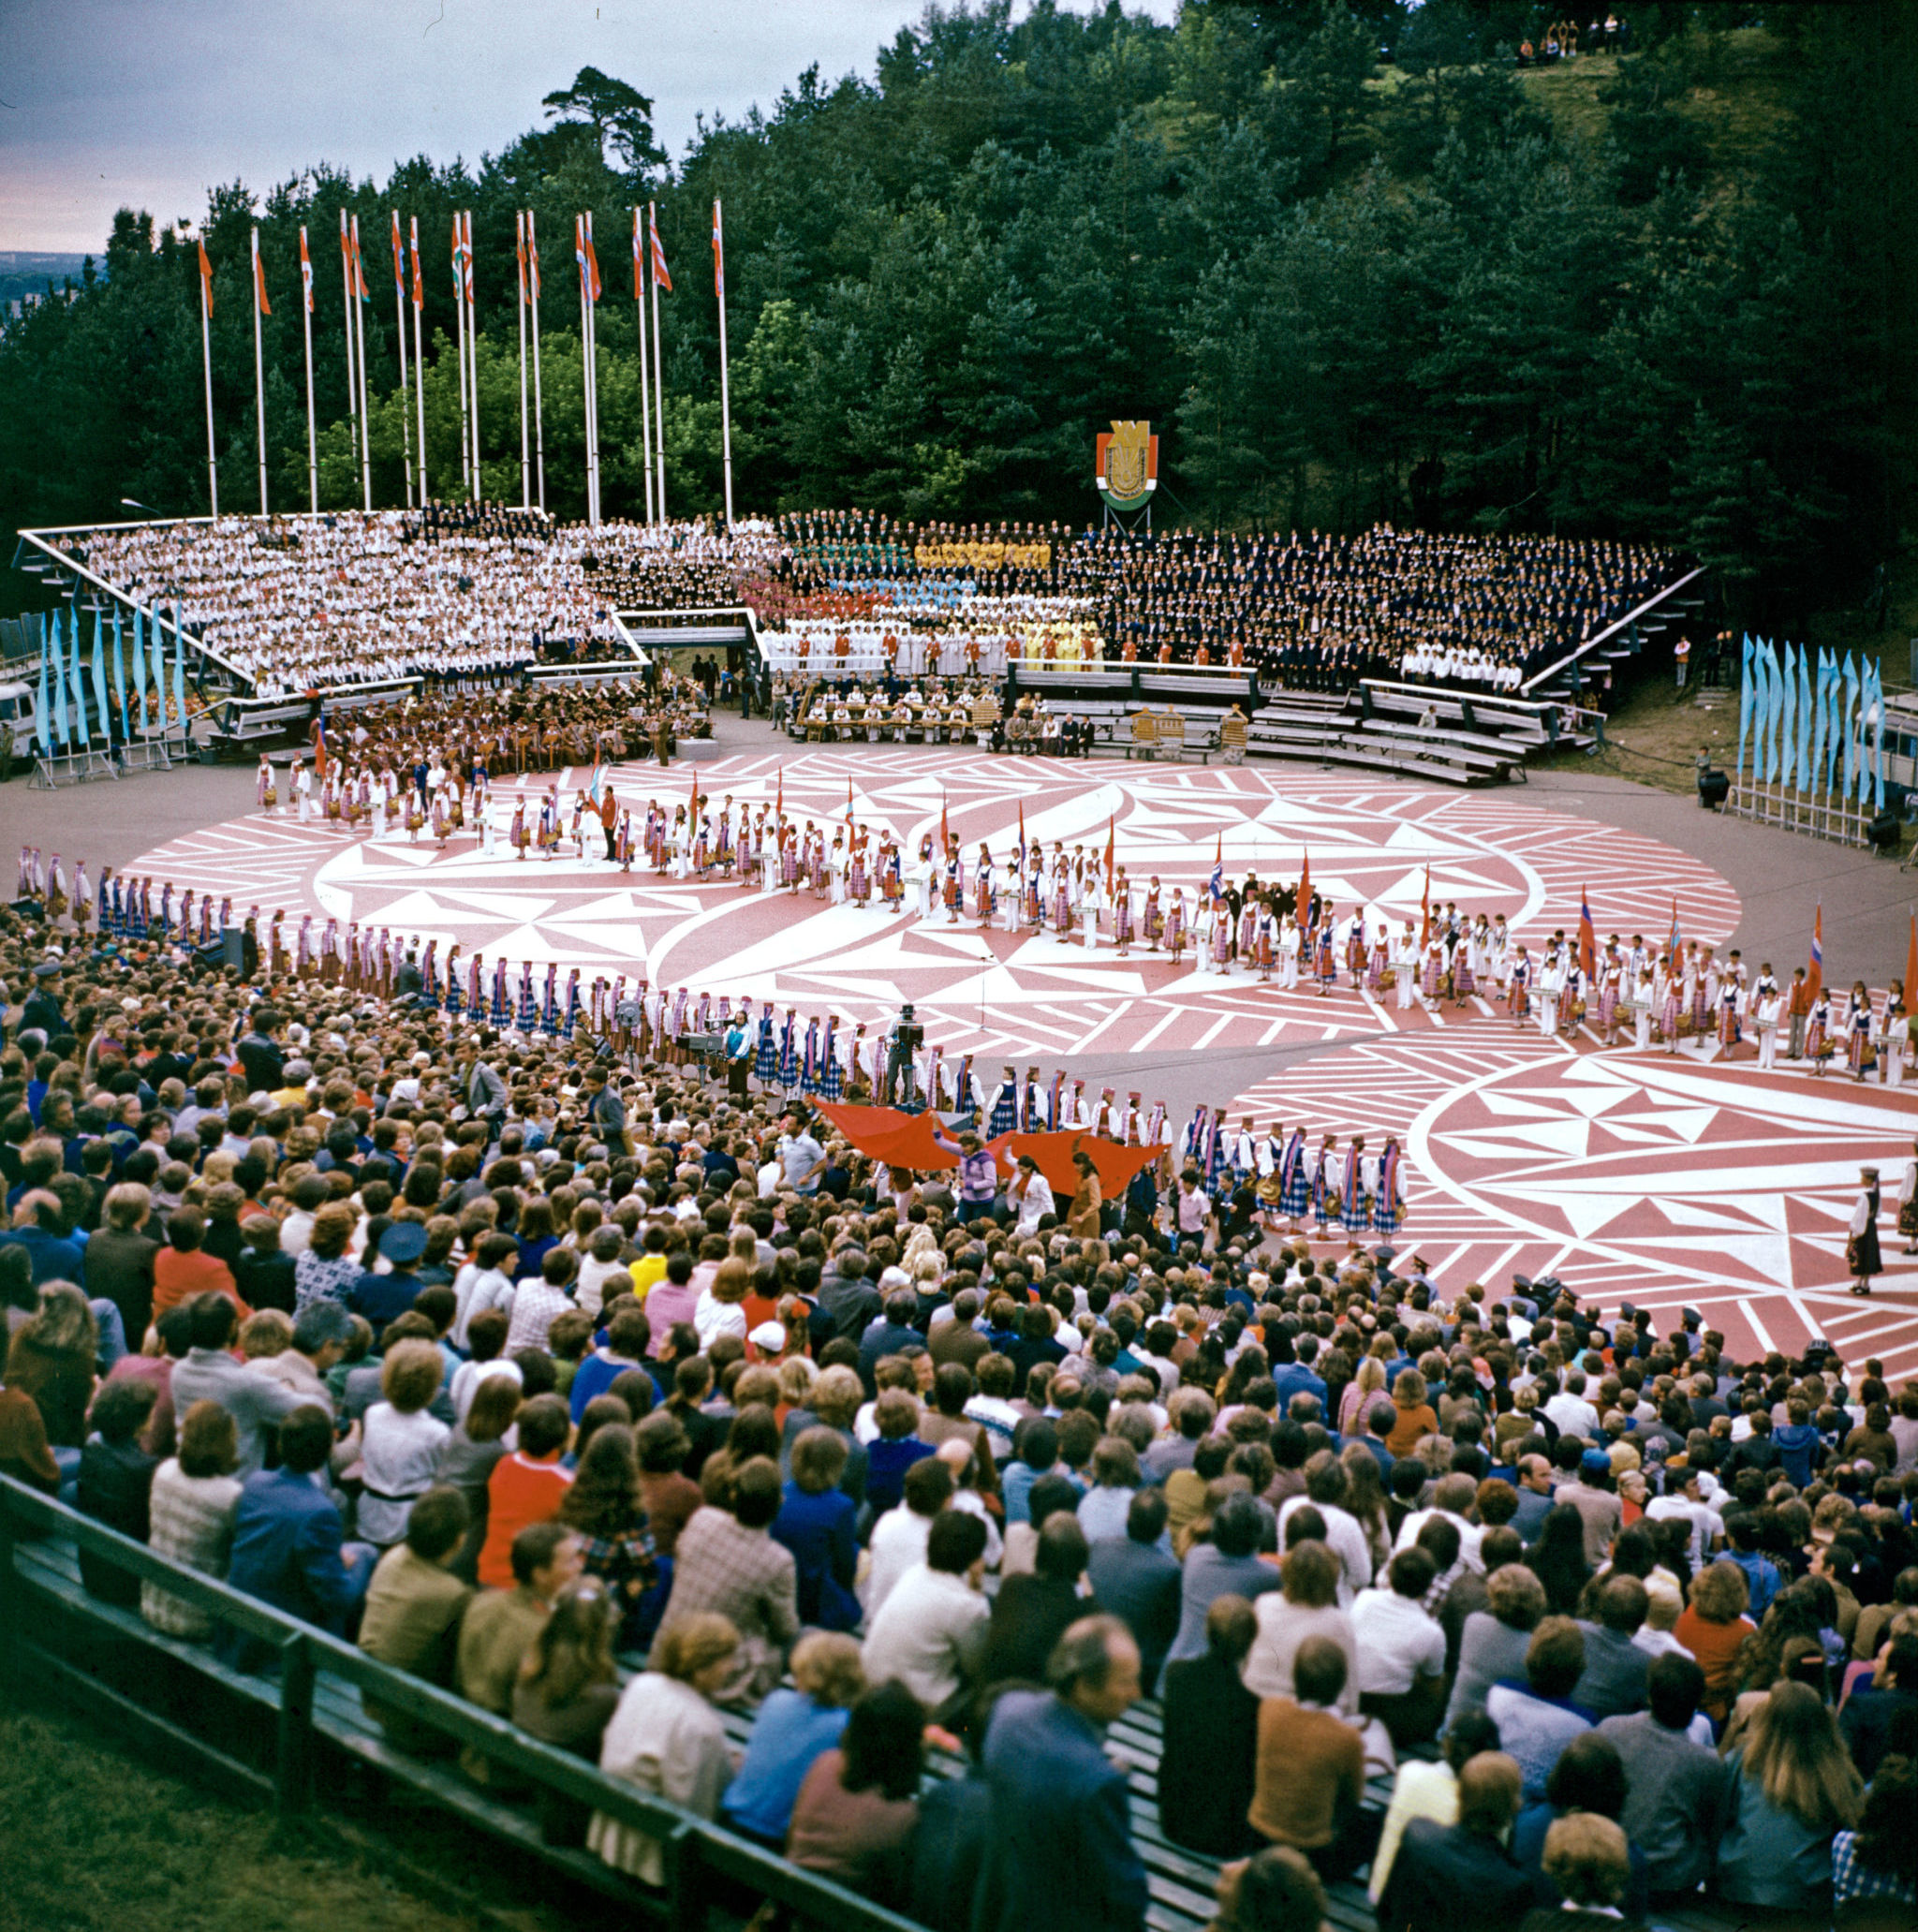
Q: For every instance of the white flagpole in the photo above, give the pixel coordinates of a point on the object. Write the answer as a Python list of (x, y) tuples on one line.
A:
[(206, 354), (352, 386), (538, 409), (593, 363), (306, 325), (658, 386), (585, 355), (360, 350), (725, 393), (525, 460), (418, 366), (460, 355), (643, 251), (473, 352), (400, 327), (258, 370)]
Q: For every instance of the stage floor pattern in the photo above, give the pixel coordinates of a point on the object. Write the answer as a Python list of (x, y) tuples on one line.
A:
[(1637, 1177)]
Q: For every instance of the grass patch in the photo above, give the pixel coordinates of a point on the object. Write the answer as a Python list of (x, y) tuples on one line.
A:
[(96, 1842)]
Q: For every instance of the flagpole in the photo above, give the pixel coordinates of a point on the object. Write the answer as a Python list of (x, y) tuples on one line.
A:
[(306, 329), (593, 364), (259, 366), (658, 386), (418, 364), (460, 354), (400, 329), (645, 399), (725, 393), (353, 387), (538, 409), (473, 355), (360, 349), (525, 459), (206, 354)]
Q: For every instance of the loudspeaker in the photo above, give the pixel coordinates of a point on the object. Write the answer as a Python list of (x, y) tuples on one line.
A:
[(234, 947), (1882, 832), (1713, 788)]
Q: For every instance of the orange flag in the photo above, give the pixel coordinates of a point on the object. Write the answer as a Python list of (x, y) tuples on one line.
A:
[(779, 803), (1111, 853), (1814, 968), (1426, 913), (260, 279), (944, 829), (1305, 883), (206, 278)]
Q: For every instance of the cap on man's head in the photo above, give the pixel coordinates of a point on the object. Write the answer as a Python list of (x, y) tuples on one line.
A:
[(403, 1242)]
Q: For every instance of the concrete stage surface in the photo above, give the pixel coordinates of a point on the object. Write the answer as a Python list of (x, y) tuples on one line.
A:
[(1642, 1177)]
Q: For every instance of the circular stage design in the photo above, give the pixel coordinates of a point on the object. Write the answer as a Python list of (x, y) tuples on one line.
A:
[(1665, 1181), (1381, 846)]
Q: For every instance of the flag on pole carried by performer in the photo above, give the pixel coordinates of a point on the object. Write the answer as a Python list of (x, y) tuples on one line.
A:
[(260, 279), (945, 827), (848, 798), (1111, 853), (659, 274), (1672, 944), (1304, 898), (320, 754), (593, 789), (1814, 967), (206, 278), (1425, 912), (1588, 935), (305, 273), (1215, 886)]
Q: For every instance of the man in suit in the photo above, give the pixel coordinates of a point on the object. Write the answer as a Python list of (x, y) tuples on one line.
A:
[(1139, 1582), (1460, 1878), (289, 1548), (1059, 1851)]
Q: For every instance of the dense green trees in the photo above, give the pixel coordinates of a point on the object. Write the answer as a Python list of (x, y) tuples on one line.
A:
[(1341, 291)]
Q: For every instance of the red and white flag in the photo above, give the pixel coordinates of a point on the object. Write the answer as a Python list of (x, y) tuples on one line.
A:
[(592, 259), (359, 287), (532, 255), (206, 279), (413, 237), (719, 256), (639, 261), (659, 274), (305, 271), (466, 253), (260, 279), (520, 247)]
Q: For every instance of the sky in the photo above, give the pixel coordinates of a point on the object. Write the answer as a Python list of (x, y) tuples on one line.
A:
[(112, 103)]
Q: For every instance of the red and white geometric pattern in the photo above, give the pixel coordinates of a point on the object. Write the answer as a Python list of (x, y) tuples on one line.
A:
[(1640, 1177), (985, 991)]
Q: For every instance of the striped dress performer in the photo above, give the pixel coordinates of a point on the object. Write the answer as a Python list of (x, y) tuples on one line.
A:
[(766, 1055), (1818, 1027), (809, 1061), (1465, 982), (454, 1002), (1005, 1113), (502, 1012), (1327, 959), (1324, 1201), (527, 1015), (429, 973), (789, 1053), (1122, 913), (573, 1010), (832, 1079), (1295, 1183), (1388, 1210), (1218, 1165)]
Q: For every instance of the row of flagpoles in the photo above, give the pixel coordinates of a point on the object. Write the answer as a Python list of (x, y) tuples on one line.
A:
[(64, 726), (650, 276)]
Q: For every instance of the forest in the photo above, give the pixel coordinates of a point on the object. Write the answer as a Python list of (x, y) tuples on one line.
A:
[(1349, 260)]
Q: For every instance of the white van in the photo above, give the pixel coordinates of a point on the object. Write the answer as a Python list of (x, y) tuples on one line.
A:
[(17, 716)]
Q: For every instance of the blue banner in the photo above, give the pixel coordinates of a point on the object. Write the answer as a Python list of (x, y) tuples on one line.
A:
[(120, 672), (1820, 721), (179, 669), (100, 677), (1744, 709), (43, 720), (1788, 724), (1850, 728), (1805, 767)]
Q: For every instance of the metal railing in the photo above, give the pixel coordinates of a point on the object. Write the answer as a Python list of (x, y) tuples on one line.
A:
[(1585, 648), (695, 1850)]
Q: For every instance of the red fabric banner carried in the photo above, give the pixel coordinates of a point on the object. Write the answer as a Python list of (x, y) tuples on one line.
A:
[(886, 1133), (918, 1142), (1052, 1153)]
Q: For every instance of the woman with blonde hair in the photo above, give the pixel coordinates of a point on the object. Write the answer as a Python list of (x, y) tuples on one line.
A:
[(1793, 1787), (720, 1309), (1355, 1404), (792, 1730), (666, 1738), (400, 1442)]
